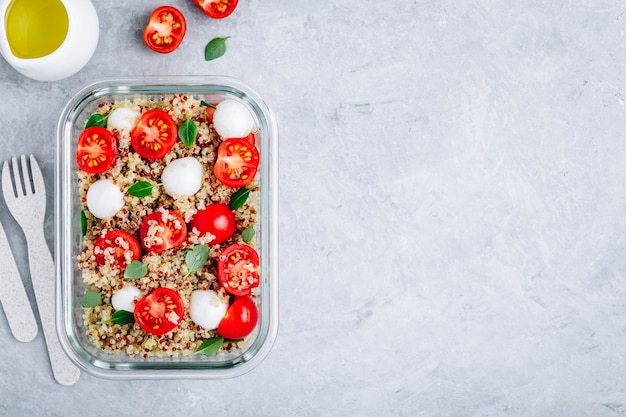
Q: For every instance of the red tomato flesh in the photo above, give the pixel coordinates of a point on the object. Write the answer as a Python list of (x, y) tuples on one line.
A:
[(237, 162), (217, 219), (162, 230), (217, 9), (251, 138), (160, 311), (240, 319), (208, 113), (97, 150), (155, 134), (165, 30), (237, 269), (116, 243)]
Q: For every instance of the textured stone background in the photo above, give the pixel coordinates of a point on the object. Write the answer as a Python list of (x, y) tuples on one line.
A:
[(451, 204)]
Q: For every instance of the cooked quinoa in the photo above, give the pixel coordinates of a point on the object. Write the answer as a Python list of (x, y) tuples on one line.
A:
[(167, 269)]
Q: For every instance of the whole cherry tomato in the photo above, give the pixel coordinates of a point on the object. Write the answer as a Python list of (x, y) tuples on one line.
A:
[(217, 219), (240, 319)]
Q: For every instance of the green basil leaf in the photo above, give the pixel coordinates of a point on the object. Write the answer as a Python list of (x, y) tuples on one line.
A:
[(239, 198), (196, 257), (135, 269), (204, 103), (96, 119), (92, 299), (141, 189), (122, 317), (210, 346), (215, 48), (247, 234), (187, 133), (83, 223)]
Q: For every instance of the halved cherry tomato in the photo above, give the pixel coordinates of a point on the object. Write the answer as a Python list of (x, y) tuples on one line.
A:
[(160, 311), (165, 29), (237, 162), (251, 138), (162, 230), (116, 243), (97, 150), (217, 9), (239, 320), (237, 269), (155, 134), (217, 219)]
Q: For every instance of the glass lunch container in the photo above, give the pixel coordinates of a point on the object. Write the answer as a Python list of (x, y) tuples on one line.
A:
[(69, 228)]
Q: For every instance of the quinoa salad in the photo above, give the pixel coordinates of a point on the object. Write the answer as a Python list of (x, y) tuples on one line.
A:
[(170, 202)]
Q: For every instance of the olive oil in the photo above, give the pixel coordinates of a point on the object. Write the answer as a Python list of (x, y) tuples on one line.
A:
[(35, 28)]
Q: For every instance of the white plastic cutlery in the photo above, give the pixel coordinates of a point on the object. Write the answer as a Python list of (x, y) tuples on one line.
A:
[(13, 295), (27, 204)]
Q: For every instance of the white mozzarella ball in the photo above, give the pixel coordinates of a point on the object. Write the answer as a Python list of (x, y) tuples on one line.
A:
[(232, 119), (182, 177), (123, 118), (124, 299), (104, 199), (207, 308)]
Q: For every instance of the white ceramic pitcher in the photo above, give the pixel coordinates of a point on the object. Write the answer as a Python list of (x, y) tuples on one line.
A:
[(75, 49)]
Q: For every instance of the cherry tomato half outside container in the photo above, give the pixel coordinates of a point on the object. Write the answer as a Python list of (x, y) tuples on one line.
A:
[(217, 9), (165, 30)]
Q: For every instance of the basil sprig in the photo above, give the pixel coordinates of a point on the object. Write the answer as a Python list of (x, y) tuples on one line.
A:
[(210, 346), (92, 299), (187, 132), (239, 198), (141, 189), (122, 317), (215, 48), (196, 258), (96, 119), (83, 223), (247, 234), (136, 269)]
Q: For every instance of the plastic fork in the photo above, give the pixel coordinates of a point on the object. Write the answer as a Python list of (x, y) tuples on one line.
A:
[(25, 195), (13, 296)]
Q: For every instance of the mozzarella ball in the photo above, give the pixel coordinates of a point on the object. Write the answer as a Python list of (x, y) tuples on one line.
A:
[(124, 299), (123, 118), (182, 177), (207, 308), (232, 119), (104, 199)]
